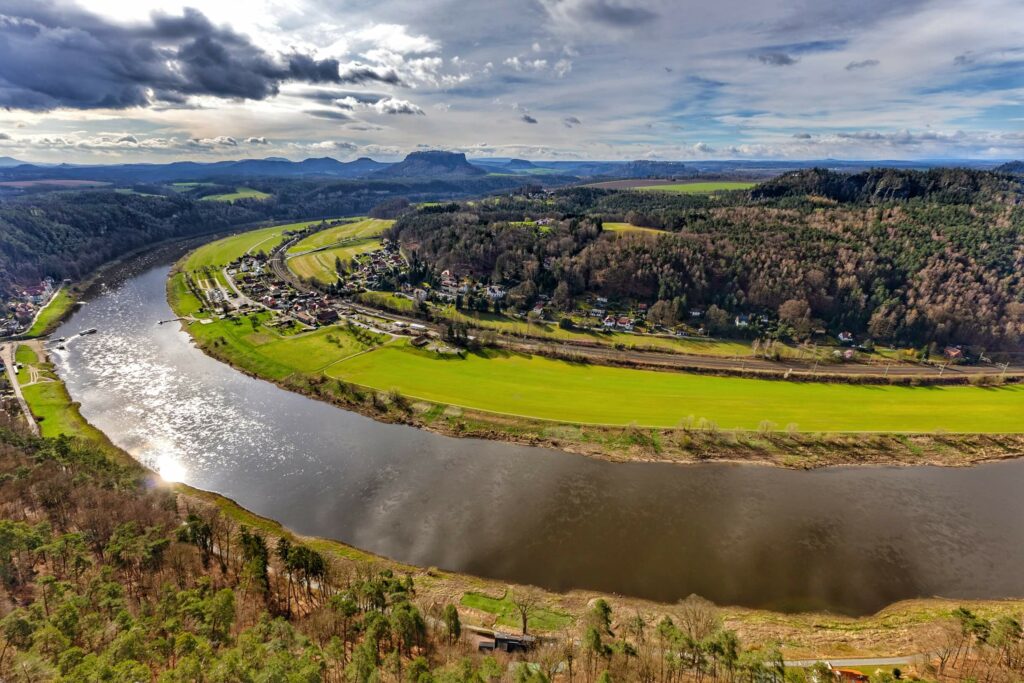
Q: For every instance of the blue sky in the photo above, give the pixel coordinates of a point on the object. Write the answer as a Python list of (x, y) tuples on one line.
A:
[(112, 81)]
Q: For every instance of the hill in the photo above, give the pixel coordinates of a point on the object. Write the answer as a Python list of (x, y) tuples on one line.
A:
[(1012, 167), (9, 161), (432, 164), (941, 185)]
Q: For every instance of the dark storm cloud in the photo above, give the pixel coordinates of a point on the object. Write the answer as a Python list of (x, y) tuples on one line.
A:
[(776, 59), (56, 55), (571, 121), (526, 118), (863, 64)]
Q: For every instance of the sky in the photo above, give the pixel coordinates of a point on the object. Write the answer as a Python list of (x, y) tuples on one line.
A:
[(111, 81)]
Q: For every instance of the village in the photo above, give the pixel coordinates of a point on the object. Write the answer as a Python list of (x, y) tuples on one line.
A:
[(24, 304)]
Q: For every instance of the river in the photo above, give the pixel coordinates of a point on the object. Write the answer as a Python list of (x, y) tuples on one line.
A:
[(849, 540)]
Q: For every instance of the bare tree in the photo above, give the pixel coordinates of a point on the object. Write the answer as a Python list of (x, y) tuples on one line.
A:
[(526, 601), (698, 618)]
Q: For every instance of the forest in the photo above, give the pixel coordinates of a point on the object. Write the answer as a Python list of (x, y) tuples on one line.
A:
[(937, 261)]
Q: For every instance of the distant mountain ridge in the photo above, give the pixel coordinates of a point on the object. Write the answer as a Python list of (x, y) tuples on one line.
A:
[(193, 170), (9, 161)]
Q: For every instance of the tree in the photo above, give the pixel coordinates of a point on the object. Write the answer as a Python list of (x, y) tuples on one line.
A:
[(526, 601), (452, 625)]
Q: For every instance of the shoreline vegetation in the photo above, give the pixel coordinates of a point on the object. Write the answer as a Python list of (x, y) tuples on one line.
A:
[(337, 364), (901, 630)]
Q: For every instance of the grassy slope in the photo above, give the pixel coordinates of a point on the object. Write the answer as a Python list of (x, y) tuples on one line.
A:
[(360, 237), (629, 227), (239, 193), (58, 306), (558, 390), (367, 227), (698, 188), (225, 250)]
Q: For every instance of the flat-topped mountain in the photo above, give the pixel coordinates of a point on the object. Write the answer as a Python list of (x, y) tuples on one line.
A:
[(432, 164)]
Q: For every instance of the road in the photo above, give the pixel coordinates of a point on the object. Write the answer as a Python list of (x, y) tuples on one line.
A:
[(858, 661), (7, 355)]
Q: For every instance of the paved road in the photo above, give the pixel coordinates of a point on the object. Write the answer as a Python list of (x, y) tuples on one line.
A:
[(7, 354)]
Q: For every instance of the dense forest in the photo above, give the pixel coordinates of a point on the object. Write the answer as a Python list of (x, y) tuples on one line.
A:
[(901, 256)]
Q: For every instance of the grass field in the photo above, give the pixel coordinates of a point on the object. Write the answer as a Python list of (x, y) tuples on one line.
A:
[(351, 239), (357, 228), (627, 227), (26, 357), (58, 306), (239, 193), (698, 188), (250, 343), (507, 615), (538, 387), (223, 251), (49, 401)]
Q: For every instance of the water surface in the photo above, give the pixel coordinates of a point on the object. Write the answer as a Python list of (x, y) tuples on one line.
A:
[(843, 539)]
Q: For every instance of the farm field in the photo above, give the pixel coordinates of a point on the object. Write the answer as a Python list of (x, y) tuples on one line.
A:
[(533, 386), (239, 193), (351, 239), (628, 227), (225, 250), (356, 228), (698, 188)]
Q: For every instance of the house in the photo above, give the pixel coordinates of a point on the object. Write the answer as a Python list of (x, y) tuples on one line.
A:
[(696, 313), (325, 316), (597, 312), (305, 318), (742, 320), (609, 322), (850, 676), (846, 337), (602, 302), (507, 642)]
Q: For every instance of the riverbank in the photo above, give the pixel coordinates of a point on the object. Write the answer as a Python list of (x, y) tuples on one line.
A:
[(902, 629)]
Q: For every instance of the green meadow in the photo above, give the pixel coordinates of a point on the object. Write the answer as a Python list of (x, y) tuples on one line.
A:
[(223, 251), (628, 227), (698, 188), (537, 387), (349, 240), (58, 306), (239, 193)]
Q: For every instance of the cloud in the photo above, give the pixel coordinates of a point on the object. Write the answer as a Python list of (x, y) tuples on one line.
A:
[(613, 13), (776, 59), (4, 136), (393, 106), (802, 136), (332, 114), (863, 64), (58, 56), (257, 141), (526, 64), (526, 118), (571, 121), (396, 38)]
